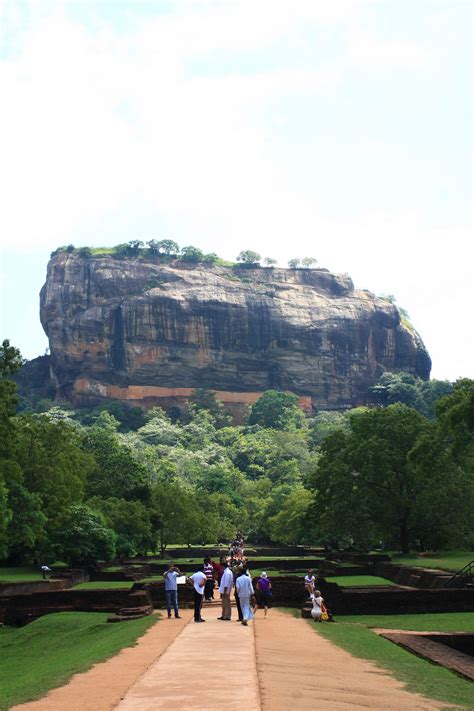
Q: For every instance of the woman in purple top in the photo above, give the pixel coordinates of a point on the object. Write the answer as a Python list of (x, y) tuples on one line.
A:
[(264, 591)]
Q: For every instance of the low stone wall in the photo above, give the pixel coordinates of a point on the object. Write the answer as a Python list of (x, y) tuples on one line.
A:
[(366, 601), (330, 568), (411, 576), (359, 558), (126, 574), (156, 591), (19, 609), (27, 588)]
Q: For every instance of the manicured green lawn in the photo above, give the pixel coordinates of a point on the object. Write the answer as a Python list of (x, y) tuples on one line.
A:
[(20, 575), (419, 675), (104, 585), (428, 622), (47, 652), (357, 581), (444, 560)]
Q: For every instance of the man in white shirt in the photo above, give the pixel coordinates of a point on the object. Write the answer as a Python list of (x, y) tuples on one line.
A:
[(225, 589), (198, 580), (244, 588)]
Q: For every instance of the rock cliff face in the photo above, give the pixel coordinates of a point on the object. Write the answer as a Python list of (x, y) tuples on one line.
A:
[(149, 333)]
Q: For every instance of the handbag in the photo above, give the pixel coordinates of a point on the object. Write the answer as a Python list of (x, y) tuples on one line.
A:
[(324, 614)]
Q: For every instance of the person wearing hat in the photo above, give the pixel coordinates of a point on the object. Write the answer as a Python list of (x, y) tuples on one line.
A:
[(264, 592)]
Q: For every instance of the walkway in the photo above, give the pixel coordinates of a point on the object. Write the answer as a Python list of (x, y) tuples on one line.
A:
[(274, 664)]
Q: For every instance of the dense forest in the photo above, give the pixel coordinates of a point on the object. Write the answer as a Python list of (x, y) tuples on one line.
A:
[(116, 481)]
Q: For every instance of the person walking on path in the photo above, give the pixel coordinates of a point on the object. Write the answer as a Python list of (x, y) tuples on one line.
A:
[(171, 589), (245, 590), (198, 581), (264, 592), (209, 573), (225, 589)]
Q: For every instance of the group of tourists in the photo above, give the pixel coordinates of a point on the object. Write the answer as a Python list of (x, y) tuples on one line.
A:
[(233, 575), (236, 547), (228, 578)]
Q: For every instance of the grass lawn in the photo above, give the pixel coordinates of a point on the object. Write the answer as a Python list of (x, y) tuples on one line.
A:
[(428, 622), (20, 575), (103, 585), (444, 560), (358, 581), (47, 652), (419, 675)]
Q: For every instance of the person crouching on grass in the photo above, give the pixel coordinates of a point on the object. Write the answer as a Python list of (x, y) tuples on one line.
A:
[(319, 611)]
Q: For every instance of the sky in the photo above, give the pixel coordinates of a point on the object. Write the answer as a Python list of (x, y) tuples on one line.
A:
[(336, 130)]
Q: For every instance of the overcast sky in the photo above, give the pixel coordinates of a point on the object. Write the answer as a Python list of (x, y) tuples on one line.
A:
[(332, 129)]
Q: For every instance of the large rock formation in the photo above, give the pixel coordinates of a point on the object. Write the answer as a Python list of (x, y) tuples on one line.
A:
[(148, 333)]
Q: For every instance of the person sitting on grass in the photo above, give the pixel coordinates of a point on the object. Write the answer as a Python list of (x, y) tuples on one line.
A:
[(264, 592)]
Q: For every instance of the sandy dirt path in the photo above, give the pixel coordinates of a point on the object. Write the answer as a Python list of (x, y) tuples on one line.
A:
[(274, 664), (209, 666), (299, 669), (105, 684)]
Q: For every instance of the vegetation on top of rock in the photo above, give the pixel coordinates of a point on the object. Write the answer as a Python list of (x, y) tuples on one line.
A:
[(167, 250)]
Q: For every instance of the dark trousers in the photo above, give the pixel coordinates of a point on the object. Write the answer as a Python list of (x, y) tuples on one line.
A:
[(172, 601), (209, 589), (197, 605), (239, 609)]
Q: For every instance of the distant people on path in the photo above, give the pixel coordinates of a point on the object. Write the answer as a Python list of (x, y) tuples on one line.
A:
[(46, 571), (245, 591), (208, 569), (198, 581), (264, 592), (236, 547), (171, 589), (225, 589), (310, 582)]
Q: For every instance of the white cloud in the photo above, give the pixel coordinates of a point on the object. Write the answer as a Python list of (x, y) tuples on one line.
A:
[(365, 48), (100, 126)]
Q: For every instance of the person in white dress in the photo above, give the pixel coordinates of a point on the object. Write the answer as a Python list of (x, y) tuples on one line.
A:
[(245, 591), (317, 608)]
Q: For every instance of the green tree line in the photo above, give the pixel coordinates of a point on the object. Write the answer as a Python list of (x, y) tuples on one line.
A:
[(96, 484)]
